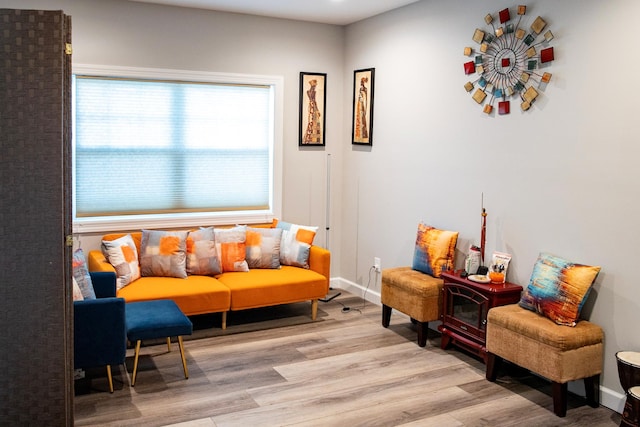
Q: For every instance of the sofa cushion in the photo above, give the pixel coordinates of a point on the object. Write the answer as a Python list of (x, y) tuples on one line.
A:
[(558, 288), (81, 275), (263, 247), (231, 247), (265, 287), (122, 254), (163, 253), (194, 295), (434, 250), (202, 255), (296, 243)]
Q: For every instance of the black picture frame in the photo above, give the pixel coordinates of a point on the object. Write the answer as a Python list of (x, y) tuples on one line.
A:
[(313, 101), (362, 119)]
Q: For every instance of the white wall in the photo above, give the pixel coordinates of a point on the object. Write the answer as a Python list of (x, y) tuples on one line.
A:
[(560, 178), (122, 33)]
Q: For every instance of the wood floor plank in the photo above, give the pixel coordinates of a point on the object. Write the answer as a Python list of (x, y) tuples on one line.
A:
[(345, 369)]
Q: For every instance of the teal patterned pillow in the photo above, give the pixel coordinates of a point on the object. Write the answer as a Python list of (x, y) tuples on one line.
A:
[(163, 253), (558, 288), (81, 275)]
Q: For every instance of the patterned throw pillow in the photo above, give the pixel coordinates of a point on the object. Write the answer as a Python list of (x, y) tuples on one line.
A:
[(231, 247), (81, 275), (163, 253), (558, 288), (77, 293), (263, 247), (435, 250), (296, 243), (202, 256), (123, 256)]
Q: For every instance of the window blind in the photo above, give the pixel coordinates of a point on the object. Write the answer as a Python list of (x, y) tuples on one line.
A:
[(163, 147)]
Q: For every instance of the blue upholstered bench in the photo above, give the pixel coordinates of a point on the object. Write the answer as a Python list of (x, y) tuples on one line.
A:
[(156, 319)]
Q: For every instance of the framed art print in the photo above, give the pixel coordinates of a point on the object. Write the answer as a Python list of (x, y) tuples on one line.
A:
[(313, 98), (362, 128)]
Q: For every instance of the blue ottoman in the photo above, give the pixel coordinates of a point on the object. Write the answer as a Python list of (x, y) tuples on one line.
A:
[(156, 319)]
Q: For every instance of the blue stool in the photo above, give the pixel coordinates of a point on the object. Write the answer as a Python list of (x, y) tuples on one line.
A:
[(156, 319)]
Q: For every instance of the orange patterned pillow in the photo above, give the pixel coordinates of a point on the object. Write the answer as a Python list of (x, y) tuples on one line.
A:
[(434, 250), (202, 255), (263, 247), (296, 244), (123, 256), (231, 247), (163, 253)]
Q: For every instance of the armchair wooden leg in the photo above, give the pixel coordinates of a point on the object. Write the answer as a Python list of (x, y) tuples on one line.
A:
[(592, 390), (135, 363), (559, 391), (493, 364), (386, 315), (184, 361), (110, 378)]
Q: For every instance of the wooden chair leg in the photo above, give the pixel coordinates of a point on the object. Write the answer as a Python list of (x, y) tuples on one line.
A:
[(110, 377), (493, 363), (592, 390), (423, 331), (135, 363), (184, 361), (386, 315), (559, 391)]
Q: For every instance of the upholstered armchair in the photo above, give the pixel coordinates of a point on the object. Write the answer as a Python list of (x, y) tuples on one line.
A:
[(99, 327)]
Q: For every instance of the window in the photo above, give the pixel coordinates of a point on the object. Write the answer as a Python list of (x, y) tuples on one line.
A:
[(171, 148)]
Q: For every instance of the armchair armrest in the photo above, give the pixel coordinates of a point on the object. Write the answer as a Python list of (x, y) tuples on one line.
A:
[(104, 283), (100, 336)]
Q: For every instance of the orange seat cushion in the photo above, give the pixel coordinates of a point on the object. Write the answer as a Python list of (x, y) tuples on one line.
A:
[(265, 287), (194, 295)]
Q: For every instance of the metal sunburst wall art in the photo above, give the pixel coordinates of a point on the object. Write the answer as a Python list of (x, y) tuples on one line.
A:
[(508, 61)]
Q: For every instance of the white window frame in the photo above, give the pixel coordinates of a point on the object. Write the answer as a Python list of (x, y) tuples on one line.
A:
[(186, 220)]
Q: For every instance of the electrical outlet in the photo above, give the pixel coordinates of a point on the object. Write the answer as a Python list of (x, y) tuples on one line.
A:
[(376, 264)]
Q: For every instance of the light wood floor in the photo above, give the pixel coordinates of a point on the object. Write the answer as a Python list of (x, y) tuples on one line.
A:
[(343, 370)]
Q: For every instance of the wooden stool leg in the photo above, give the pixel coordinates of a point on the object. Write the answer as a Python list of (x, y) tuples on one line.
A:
[(135, 363), (592, 390), (493, 364), (386, 315), (559, 391), (184, 361), (423, 328), (168, 343), (110, 378)]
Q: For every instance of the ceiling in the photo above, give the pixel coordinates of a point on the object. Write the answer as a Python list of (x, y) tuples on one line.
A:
[(338, 12)]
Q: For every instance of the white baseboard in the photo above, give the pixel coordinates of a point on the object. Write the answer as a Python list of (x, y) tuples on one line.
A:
[(608, 398)]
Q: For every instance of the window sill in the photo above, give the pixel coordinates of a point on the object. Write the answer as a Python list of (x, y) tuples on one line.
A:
[(176, 221)]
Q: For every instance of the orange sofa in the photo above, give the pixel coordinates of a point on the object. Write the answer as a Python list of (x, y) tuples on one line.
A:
[(229, 290)]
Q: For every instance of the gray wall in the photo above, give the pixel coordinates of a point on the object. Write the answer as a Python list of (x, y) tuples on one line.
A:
[(559, 178)]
